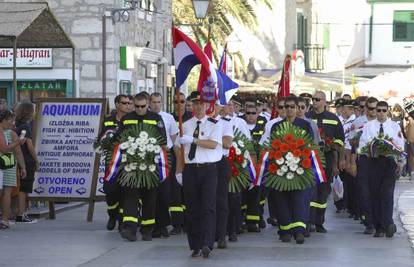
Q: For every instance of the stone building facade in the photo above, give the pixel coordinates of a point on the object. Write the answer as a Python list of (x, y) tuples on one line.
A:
[(138, 51)]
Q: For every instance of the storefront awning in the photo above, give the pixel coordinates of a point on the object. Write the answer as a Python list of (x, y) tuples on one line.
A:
[(33, 25)]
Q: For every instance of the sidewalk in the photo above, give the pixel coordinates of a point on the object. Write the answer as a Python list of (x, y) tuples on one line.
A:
[(405, 207)]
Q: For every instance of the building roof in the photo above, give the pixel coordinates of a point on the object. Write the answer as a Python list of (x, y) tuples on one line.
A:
[(33, 24)]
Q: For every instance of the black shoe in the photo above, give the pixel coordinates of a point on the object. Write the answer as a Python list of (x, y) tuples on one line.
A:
[(128, 235), (312, 228), (196, 253), (240, 231), (262, 224), (146, 236), (272, 221), (110, 225), (164, 232), (320, 229), (205, 251), (391, 230), (369, 230), (156, 233), (222, 243), (307, 232), (300, 238), (285, 238), (253, 228), (233, 237), (176, 230), (379, 233)]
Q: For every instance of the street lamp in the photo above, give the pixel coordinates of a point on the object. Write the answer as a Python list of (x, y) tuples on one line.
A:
[(200, 8)]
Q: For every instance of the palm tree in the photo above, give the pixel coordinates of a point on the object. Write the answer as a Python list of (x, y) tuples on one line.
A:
[(220, 14)]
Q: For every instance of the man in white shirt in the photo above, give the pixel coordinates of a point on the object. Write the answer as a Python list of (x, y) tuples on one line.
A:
[(202, 140), (382, 177), (162, 217), (280, 108)]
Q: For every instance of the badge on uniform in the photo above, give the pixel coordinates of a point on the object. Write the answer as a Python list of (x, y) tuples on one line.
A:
[(160, 124)]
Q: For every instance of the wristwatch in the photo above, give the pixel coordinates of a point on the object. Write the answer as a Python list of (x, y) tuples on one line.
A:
[(194, 141)]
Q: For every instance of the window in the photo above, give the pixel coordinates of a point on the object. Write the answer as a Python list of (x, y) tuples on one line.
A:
[(403, 26), (125, 87)]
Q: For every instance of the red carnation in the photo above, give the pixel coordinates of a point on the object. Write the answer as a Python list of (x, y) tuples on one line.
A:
[(272, 154), (306, 163), (273, 168), (276, 144), (235, 172), (232, 151), (297, 153), (278, 155), (306, 153), (289, 138), (284, 148), (293, 146), (300, 142), (240, 158)]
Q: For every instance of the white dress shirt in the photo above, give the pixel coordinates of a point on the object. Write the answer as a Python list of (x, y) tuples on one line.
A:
[(268, 129), (371, 130), (170, 127), (227, 129), (208, 131)]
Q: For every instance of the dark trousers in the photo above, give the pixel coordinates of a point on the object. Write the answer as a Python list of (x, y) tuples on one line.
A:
[(251, 198), (176, 205), (113, 199), (350, 193), (200, 187), (382, 185), (363, 170), (131, 203), (307, 199), (222, 202), (162, 215), (320, 194), (291, 211), (235, 214)]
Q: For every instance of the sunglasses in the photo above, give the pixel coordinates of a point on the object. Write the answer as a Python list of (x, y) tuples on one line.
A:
[(302, 107), (371, 108), (140, 106), (361, 107), (316, 99), (383, 110), (251, 113), (181, 101), (126, 103), (281, 107), (290, 106)]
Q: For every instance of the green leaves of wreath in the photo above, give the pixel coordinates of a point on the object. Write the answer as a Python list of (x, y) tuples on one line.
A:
[(288, 138), (140, 178)]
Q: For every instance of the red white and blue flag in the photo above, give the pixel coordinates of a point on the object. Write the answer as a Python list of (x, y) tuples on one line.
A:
[(113, 167), (317, 167), (188, 54), (261, 168), (163, 164), (227, 87)]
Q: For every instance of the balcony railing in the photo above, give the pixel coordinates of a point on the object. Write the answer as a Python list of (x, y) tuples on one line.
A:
[(314, 56)]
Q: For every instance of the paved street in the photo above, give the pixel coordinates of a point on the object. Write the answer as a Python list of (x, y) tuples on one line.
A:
[(70, 241)]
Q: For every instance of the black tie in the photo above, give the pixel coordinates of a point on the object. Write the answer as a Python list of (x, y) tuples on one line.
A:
[(381, 131), (193, 147)]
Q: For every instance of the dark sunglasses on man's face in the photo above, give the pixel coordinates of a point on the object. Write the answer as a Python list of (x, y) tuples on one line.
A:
[(290, 106), (251, 113), (383, 110), (361, 107), (302, 107), (181, 102), (125, 103), (140, 106), (371, 108), (314, 99), (281, 107)]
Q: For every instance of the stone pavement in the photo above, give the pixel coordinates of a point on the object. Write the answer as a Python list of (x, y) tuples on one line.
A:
[(71, 241), (406, 210)]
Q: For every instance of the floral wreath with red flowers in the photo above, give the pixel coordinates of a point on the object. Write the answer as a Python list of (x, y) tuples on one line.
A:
[(242, 164), (289, 158)]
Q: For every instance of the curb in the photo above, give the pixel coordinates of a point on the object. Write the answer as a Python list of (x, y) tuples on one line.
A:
[(59, 208)]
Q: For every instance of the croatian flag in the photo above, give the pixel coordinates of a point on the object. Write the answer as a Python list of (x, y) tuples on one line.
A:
[(187, 54), (261, 168), (251, 168), (226, 86), (113, 167), (319, 172), (163, 164)]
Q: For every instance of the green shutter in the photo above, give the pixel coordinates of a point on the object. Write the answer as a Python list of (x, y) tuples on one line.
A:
[(326, 36), (403, 26)]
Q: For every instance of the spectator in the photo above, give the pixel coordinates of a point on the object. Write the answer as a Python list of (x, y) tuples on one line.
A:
[(9, 142), (24, 122)]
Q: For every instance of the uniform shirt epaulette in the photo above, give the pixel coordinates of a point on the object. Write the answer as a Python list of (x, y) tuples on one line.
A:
[(226, 119), (212, 120)]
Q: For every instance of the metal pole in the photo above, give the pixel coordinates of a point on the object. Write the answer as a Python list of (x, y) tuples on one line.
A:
[(73, 74), (16, 96), (104, 56)]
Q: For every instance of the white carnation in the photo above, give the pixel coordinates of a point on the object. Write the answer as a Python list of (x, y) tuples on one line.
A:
[(123, 158), (124, 145), (143, 135), (127, 168), (152, 141), (234, 144), (142, 166), (150, 148), (290, 175), (280, 161), (246, 154), (244, 165), (98, 150), (142, 148), (157, 159), (134, 146), (284, 168), (131, 151), (133, 166), (131, 139), (296, 160), (280, 172), (141, 155), (293, 167), (240, 143), (152, 168), (300, 171), (157, 149), (289, 156), (238, 151)]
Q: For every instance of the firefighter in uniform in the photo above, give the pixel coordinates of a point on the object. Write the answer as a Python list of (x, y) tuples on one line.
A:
[(291, 204), (382, 178), (332, 134), (223, 176), (132, 195), (202, 140), (113, 190), (256, 125), (177, 206)]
